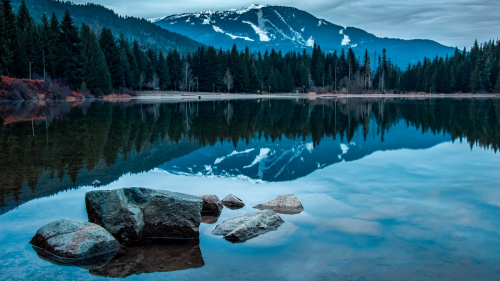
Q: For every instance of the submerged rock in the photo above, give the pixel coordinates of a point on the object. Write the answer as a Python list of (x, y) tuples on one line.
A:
[(134, 214), (72, 242), (284, 204), (162, 256), (211, 204), (242, 228), (89, 263), (232, 202)]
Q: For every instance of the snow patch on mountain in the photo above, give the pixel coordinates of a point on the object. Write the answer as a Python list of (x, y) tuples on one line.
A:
[(262, 34), (249, 8), (310, 42), (346, 39), (219, 30)]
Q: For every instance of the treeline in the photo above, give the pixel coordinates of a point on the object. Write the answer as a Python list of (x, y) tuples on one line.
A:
[(96, 62), (476, 71)]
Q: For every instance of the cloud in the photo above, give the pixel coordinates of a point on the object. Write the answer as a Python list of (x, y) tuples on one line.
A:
[(453, 23)]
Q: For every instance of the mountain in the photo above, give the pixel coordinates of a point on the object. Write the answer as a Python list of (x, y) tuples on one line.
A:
[(262, 27), (287, 160), (97, 17)]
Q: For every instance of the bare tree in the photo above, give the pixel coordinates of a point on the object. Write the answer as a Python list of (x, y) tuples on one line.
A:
[(186, 75), (228, 79)]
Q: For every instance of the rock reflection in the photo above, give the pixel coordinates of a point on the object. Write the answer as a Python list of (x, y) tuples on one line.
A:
[(155, 256), (87, 263), (210, 217)]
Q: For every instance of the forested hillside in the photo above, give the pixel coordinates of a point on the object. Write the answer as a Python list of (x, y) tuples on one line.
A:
[(100, 62), (97, 16)]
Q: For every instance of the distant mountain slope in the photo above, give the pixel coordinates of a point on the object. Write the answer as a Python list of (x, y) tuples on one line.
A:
[(285, 28), (98, 16)]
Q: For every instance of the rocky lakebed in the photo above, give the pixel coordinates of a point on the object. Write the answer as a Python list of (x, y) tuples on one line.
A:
[(162, 227)]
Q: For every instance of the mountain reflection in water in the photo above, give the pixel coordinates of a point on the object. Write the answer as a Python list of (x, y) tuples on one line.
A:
[(51, 147)]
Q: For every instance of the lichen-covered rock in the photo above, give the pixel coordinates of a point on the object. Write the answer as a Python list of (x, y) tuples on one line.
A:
[(211, 204), (232, 202), (242, 228), (65, 241), (285, 204), (134, 214)]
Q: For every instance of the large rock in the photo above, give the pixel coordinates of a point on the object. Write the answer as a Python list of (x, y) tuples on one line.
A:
[(242, 228), (284, 204), (134, 214), (232, 202), (72, 242), (157, 257), (211, 204)]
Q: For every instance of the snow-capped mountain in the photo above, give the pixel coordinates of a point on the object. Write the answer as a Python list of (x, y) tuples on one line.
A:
[(263, 27), (264, 161)]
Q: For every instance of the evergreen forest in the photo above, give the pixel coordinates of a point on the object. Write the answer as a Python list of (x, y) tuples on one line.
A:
[(99, 62)]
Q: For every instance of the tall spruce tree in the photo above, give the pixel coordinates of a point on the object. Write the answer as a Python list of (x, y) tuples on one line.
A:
[(112, 55), (69, 60), (8, 35), (24, 33), (95, 71)]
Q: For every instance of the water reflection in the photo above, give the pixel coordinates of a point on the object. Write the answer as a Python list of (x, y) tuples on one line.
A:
[(48, 148), (157, 256)]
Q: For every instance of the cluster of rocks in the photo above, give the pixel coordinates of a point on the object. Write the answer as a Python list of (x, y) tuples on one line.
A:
[(121, 219)]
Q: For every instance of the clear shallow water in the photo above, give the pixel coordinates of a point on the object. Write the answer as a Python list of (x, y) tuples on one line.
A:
[(411, 205)]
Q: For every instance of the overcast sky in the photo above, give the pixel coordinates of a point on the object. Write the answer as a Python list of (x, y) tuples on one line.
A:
[(450, 22)]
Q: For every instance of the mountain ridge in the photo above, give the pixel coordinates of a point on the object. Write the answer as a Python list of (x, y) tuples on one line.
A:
[(262, 27)]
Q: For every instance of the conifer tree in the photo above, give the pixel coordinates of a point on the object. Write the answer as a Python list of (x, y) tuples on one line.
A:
[(497, 84), (112, 55), (163, 72), (288, 81), (254, 81), (68, 58), (8, 36), (95, 71), (24, 33)]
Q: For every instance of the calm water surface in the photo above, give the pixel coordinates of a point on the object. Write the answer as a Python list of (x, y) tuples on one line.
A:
[(392, 189)]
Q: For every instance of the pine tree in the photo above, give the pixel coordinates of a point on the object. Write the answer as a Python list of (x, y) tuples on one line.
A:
[(163, 72), (24, 32), (112, 56), (95, 71), (254, 81), (4, 46), (68, 56), (497, 85), (288, 81), (272, 81), (8, 35), (53, 35)]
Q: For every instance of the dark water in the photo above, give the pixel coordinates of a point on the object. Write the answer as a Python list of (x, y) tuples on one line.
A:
[(392, 189)]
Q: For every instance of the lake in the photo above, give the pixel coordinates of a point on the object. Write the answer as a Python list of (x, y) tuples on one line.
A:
[(392, 189)]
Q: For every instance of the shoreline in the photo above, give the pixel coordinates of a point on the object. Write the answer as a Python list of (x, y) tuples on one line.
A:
[(148, 96), (204, 96)]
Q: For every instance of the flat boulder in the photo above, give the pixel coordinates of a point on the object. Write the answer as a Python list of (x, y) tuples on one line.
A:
[(284, 204), (232, 202), (72, 242), (242, 228), (134, 214), (211, 204)]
